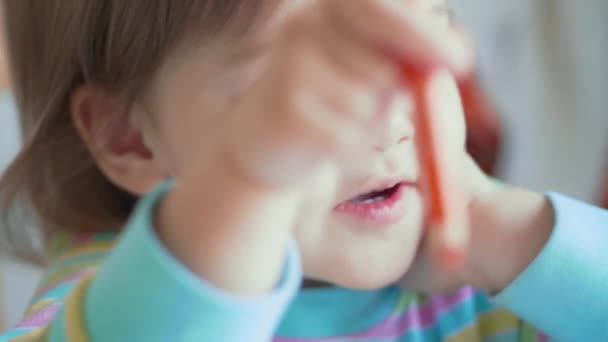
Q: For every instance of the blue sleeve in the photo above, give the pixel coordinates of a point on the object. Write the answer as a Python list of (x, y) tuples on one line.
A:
[(564, 291), (142, 293)]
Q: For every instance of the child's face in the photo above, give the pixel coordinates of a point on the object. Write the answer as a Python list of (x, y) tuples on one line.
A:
[(372, 233)]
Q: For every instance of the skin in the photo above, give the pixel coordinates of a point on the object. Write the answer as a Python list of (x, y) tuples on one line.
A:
[(264, 136)]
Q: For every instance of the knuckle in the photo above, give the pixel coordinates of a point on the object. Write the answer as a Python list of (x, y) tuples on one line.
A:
[(364, 103)]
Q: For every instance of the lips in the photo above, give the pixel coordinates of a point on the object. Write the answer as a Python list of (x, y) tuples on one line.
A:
[(382, 205)]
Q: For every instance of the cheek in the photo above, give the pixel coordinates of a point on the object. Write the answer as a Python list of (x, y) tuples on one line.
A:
[(187, 100), (188, 119)]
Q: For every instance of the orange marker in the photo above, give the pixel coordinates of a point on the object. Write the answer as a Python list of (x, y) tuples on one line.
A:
[(417, 80), (450, 257)]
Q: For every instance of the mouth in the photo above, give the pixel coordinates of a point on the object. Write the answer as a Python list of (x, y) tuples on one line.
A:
[(383, 205), (376, 196)]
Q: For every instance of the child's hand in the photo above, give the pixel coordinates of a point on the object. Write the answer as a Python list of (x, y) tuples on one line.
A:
[(501, 229), (238, 196), (319, 94)]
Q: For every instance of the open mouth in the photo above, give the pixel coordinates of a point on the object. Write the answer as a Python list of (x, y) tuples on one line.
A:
[(383, 206), (376, 196)]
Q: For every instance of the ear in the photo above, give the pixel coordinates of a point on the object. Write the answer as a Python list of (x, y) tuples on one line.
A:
[(105, 124)]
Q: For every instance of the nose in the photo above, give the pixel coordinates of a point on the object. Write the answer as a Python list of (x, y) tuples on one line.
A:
[(394, 126)]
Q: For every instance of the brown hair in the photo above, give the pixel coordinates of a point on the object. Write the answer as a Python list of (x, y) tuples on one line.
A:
[(57, 45)]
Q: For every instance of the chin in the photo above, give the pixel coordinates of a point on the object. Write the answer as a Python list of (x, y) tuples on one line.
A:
[(359, 257), (365, 272), (368, 282)]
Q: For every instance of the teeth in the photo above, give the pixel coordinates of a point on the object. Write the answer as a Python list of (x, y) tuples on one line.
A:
[(374, 200)]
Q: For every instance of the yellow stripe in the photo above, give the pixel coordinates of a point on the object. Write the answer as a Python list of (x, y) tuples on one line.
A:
[(488, 324), (468, 334), (64, 273), (39, 305), (38, 335), (75, 328), (498, 321), (100, 246), (54, 280)]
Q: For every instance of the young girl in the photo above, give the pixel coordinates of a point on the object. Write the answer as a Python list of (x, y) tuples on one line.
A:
[(242, 125)]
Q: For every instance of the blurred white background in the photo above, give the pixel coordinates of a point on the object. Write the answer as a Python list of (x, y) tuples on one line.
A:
[(544, 62), (18, 279)]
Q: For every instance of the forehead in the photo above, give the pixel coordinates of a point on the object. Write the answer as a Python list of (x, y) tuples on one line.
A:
[(227, 53), (251, 28), (274, 12)]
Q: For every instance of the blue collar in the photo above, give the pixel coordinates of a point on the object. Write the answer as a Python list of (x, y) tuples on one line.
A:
[(333, 311)]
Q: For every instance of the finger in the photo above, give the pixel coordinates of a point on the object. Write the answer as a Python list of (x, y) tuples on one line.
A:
[(315, 104), (404, 32), (355, 56), (318, 62), (440, 153)]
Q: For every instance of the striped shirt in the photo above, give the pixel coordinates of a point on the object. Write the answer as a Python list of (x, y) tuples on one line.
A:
[(465, 315), (92, 292)]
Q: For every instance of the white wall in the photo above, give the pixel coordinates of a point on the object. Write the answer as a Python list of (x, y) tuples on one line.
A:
[(19, 283), (17, 279), (545, 64)]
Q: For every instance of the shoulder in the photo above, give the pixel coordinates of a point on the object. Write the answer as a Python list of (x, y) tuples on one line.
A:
[(73, 259)]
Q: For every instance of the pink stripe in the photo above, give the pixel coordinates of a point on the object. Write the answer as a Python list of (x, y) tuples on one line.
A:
[(73, 277), (40, 318), (396, 325), (542, 337)]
